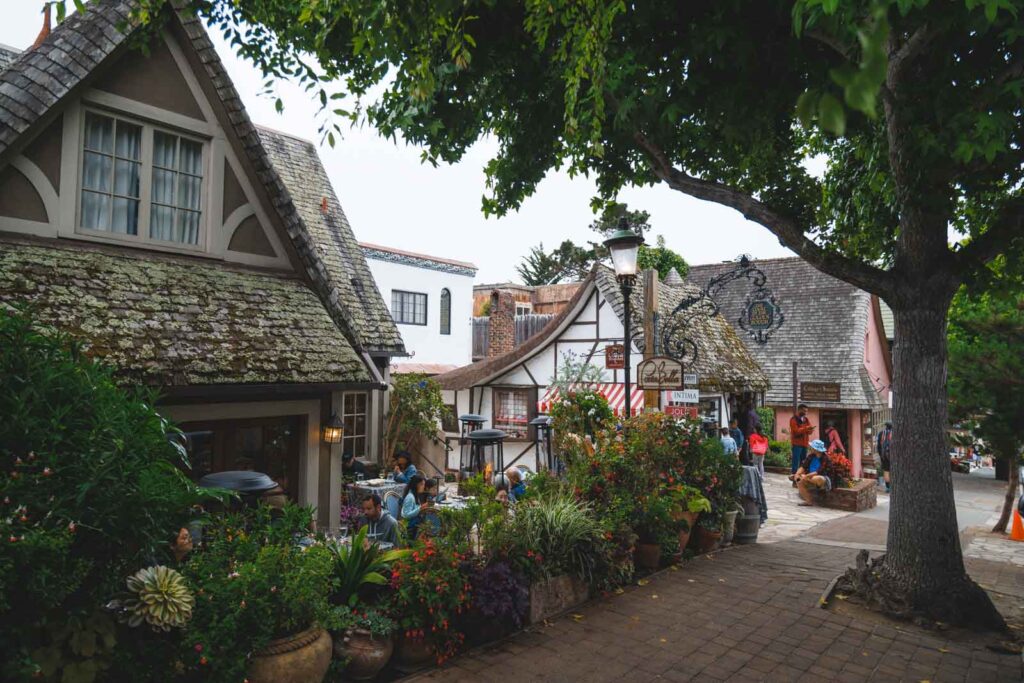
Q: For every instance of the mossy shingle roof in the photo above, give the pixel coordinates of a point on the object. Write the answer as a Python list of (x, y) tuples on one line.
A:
[(299, 166), (174, 321)]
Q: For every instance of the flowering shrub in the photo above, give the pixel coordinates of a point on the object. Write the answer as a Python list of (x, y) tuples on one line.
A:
[(577, 414), (429, 589), (839, 469), (252, 584)]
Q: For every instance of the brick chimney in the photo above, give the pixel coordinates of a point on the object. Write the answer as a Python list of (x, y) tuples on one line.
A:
[(501, 335)]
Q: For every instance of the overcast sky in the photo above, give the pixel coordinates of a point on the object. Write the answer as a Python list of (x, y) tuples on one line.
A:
[(392, 199)]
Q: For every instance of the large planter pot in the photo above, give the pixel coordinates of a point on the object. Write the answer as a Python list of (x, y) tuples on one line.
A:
[(648, 556), (413, 653), (366, 653), (549, 597), (729, 526), (684, 533), (302, 658), (706, 540)]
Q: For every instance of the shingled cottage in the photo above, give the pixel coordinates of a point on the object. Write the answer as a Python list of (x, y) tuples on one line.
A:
[(141, 210)]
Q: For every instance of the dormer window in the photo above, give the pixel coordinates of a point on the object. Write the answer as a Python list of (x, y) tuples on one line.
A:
[(140, 182)]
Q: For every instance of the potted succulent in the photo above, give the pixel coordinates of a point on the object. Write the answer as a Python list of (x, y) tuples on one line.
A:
[(365, 643)]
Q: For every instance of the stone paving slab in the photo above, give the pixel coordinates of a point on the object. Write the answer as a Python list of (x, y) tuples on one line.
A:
[(786, 518), (748, 613)]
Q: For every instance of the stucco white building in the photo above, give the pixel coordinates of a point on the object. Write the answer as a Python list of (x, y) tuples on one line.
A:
[(431, 301)]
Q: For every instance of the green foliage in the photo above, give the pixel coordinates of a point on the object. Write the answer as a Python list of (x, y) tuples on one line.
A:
[(986, 378), (568, 263), (253, 584), (781, 456), (415, 413), (661, 259), (91, 490), (430, 588), (767, 417), (574, 371), (576, 413), (358, 564)]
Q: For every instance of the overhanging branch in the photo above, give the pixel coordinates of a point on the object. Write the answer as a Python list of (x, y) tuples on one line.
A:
[(868, 278), (994, 241)]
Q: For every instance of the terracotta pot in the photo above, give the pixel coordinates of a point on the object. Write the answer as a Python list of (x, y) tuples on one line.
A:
[(729, 527), (366, 653), (648, 556), (706, 540), (412, 653), (302, 658)]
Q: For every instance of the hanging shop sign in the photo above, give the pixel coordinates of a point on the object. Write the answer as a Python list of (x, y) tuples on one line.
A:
[(682, 411), (660, 373), (820, 392), (615, 357), (690, 379)]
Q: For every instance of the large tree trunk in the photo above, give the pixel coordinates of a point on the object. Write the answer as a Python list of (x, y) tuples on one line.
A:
[(1012, 489), (923, 571)]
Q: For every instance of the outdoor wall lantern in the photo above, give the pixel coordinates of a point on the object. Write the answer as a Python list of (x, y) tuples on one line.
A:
[(624, 246), (334, 429)]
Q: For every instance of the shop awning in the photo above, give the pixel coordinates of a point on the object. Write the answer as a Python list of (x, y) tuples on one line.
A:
[(613, 392)]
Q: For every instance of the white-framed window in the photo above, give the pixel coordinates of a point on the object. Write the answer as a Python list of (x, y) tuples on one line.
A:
[(353, 414), (140, 181), (446, 311), (512, 412), (408, 308), (524, 308)]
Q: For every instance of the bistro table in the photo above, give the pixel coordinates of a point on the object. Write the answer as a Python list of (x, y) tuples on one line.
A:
[(752, 487), (378, 486)]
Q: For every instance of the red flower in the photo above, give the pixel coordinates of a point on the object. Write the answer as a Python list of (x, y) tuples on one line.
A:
[(198, 647), (202, 661)]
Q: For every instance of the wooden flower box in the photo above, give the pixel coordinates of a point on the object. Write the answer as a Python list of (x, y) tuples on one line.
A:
[(552, 596), (860, 495)]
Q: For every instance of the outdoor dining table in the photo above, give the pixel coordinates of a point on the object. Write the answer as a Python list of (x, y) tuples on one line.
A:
[(454, 502), (378, 486), (752, 487)]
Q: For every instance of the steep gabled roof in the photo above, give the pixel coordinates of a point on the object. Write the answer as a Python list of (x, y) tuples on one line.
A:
[(825, 325), (42, 78), (7, 55), (723, 362), (299, 166)]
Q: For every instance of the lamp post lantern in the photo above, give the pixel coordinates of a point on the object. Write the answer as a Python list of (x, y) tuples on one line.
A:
[(624, 246)]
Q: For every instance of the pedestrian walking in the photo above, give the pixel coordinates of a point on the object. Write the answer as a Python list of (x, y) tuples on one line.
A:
[(800, 429), (737, 435), (728, 443), (758, 449), (833, 439), (884, 444)]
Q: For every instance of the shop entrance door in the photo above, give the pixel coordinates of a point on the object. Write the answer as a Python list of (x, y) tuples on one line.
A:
[(837, 417)]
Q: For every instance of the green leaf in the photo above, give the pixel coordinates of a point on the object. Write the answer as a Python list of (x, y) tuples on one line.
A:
[(805, 107), (831, 114), (279, 105)]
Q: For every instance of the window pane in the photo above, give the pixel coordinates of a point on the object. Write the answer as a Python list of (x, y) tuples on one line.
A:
[(99, 133), (186, 227), (191, 157), (446, 312), (95, 211), (163, 186), (360, 403), (164, 149), (96, 172), (161, 222), (126, 178), (188, 191), (126, 216), (129, 140)]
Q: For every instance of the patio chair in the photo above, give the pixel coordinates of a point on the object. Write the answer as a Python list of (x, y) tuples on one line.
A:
[(392, 503)]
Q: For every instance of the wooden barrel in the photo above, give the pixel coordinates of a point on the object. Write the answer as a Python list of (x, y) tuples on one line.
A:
[(747, 524)]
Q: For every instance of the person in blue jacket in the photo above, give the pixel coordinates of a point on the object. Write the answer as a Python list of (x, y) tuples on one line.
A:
[(404, 469), (413, 503)]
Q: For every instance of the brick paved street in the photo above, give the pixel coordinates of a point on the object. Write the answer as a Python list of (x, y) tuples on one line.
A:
[(750, 613), (744, 614)]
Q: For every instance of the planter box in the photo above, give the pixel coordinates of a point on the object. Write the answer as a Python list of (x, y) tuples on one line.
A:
[(554, 595), (861, 495), (777, 470)]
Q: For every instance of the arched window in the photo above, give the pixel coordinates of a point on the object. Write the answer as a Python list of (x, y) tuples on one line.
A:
[(446, 312)]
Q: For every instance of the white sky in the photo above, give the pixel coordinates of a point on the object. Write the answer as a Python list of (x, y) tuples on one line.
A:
[(392, 199)]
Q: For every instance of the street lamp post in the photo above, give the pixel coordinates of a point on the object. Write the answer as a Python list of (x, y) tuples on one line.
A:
[(624, 246)]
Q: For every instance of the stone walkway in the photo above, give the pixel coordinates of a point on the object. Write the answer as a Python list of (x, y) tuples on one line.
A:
[(748, 613), (787, 519)]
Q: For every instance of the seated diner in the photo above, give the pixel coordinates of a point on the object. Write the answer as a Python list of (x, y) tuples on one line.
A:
[(404, 469), (413, 503), (380, 525)]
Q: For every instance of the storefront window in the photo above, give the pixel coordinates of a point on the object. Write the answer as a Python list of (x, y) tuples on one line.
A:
[(512, 412), (709, 408), (269, 445), (354, 416)]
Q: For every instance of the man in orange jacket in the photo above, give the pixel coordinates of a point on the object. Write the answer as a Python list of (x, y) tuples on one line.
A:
[(800, 429)]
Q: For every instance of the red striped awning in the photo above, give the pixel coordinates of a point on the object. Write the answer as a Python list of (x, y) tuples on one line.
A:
[(613, 392)]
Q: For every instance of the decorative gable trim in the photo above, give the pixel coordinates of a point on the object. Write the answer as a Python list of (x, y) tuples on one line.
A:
[(417, 261)]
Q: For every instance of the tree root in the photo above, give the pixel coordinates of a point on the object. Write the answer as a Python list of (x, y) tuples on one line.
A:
[(963, 604)]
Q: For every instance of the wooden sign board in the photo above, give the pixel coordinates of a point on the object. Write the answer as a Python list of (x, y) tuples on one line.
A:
[(820, 392), (660, 373), (615, 357), (682, 411)]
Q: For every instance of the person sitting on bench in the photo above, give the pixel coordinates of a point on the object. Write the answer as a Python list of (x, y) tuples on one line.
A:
[(810, 477)]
